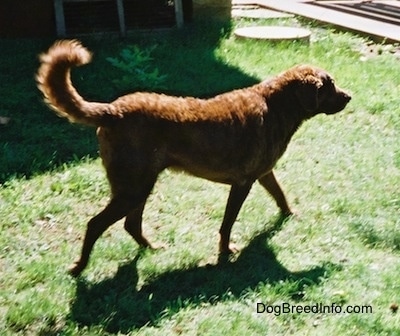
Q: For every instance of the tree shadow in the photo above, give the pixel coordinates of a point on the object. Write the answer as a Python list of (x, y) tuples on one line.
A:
[(35, 140), (118, 306)]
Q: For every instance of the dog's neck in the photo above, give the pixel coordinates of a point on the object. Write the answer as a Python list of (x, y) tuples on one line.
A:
[(283, 114), (279, 96)]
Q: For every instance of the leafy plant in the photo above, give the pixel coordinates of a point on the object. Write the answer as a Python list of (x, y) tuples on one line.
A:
[(136, 64)]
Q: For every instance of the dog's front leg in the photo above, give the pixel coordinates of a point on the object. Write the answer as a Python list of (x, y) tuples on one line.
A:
[(236, 198), (270, 183)]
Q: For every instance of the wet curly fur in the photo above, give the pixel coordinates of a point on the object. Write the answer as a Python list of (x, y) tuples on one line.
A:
[(234, 138)]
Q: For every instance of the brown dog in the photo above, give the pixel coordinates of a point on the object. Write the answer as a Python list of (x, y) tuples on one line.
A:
[(234, 138)]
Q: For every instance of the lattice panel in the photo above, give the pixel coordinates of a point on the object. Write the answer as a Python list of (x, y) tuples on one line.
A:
[(74, 17)]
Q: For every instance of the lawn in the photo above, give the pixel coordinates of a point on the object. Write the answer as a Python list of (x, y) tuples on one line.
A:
[(334, 269)]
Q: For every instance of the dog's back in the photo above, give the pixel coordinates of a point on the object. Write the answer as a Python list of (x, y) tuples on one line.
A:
[(53, 78)]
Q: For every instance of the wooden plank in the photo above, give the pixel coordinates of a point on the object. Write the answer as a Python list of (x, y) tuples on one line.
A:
[(60, 20), (121, 17), (369, 10), (178, 13), (387, 31)]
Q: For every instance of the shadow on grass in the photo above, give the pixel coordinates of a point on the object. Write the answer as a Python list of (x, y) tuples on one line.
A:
[(36, 140), (116, 305)]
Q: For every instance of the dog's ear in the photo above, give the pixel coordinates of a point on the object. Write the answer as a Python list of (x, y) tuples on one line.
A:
[(307, 92)]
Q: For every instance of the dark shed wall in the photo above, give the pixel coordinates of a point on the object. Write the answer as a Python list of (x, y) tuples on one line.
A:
[(26, 18)]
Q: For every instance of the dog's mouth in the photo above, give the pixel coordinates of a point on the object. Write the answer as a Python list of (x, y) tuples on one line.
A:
[(340, 102)]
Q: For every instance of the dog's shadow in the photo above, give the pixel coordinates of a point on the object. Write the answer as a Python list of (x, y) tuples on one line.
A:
[(118, 306)]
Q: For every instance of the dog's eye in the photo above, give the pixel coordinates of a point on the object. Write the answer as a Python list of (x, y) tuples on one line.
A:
[(330, 81)]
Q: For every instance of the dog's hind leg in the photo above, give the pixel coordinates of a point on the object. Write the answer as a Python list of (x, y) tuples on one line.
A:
[(133, 225), (236, 198), (115, 210), (123, 203), (270, 183)]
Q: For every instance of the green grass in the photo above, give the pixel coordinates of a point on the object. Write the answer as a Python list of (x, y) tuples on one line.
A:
[(341, 173)]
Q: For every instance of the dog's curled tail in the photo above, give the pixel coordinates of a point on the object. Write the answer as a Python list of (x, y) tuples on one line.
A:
[(54, 80)]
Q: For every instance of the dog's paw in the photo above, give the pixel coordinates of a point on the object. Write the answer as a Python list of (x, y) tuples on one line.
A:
[(153, 247), (227, 255), (289, 214), (233, 248), (158, 246), (75, 269)]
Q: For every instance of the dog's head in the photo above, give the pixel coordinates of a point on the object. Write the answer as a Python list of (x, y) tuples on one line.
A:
[(317, 92)]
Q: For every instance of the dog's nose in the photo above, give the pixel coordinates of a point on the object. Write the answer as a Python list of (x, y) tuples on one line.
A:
[(346, 96)]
